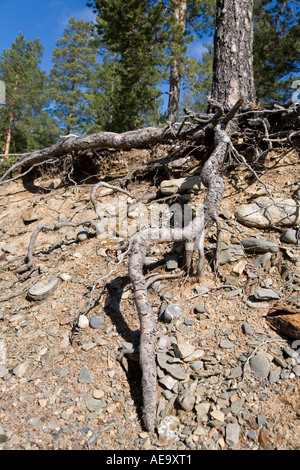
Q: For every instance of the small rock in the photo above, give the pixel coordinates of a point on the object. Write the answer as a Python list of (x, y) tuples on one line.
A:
[(175, 370), (168, 382), (218, 415), (32, 214), (239, 267), (21, 369), (149, 260), (232, 434), (96, 321), (257, 245), (83, 322), (65, 276), (200, 308), (194, 356), (43, 289), (247, 329), (289, 236), (252, 434), (187, 399), (237, 405), (62, 217), (173, 311), (202, 409), (182, 349), (82, 235), (251, 304), (98, 394), (84, 376), (181, 185), (225, 254), (262, 260), (266, 294), (9, 248), (171, 262), (259, 363), (93, 404), (226, 344), (3, 438)]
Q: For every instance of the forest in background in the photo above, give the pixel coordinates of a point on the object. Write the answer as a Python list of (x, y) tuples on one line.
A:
[(112, 75)]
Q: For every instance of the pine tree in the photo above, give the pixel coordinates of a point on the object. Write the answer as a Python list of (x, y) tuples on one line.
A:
[(148, 43), (129, 33), (26, 98), (73, 78), (276, 48), (197, 82)]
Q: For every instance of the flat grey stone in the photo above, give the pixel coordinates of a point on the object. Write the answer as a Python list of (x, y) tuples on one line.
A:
[(8, 248), (149, 260), (96, 321), (175, 370), (289, 236), (32, 214), (251, 304), (181, 185), (168, 382), (93, 404), (247, 329), (225, 254), (266, 294), (232, 434), (202, 409), (84, 376), (259, 363), (226, 344), (172, 312), (274, 375), (258, 245), (43, 289), (199, 309), (237, 405), (262, 260)]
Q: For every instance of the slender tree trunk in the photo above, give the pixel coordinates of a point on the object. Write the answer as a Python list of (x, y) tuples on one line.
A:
[(11, 120), (176, 58), (233, 53), (8, 134)]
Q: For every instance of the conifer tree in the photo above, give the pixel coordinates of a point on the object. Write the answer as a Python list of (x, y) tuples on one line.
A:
[(130, 36), (276, 48), (26, 98), (72, 78)]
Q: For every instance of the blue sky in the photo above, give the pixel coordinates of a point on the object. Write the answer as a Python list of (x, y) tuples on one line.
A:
[(43, 19), (46, 20)]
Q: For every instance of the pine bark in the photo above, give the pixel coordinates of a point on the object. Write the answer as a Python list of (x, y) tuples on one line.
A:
[(233, 53)]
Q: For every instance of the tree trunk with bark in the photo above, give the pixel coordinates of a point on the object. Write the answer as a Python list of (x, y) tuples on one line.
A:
[(179, 7), (233, 56)]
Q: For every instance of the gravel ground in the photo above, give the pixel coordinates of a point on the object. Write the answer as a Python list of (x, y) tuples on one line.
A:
[(226, 379)]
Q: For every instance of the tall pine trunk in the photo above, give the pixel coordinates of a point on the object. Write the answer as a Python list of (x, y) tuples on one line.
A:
[(11, 119), (179, 7), (8, 134), (233, 53)]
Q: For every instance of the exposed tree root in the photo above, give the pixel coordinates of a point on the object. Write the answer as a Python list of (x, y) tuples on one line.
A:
[(195, 127)]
